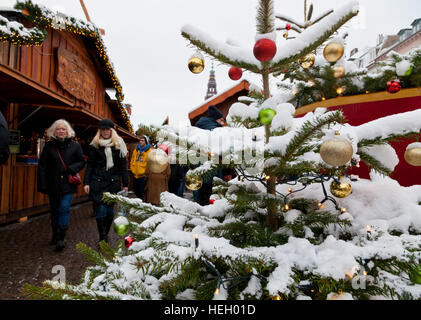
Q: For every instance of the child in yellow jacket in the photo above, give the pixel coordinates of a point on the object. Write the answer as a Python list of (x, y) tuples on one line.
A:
[(138, 166)]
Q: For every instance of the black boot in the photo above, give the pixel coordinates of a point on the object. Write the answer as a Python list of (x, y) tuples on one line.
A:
[(102, 229), (108, 224), (61, 234), (54, 238)]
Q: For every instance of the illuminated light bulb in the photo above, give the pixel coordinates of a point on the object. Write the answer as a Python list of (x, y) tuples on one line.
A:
[(286, 207), (358, 165), (294, 92), (340, 91), (217, 291), (348, 274), (343, 210), (289, 189), (196, 240), (358, 179), (321, 205), (367, 91), (323, 98), (365, 273), (267, 177), (276, 297), (368, 228)]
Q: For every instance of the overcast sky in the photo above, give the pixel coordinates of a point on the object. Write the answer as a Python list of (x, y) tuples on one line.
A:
[(150, 56)]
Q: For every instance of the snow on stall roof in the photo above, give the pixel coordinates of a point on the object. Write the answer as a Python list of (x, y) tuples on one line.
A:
[(217, 95)]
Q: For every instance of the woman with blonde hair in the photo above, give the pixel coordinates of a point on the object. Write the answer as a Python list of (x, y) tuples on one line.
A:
[(61, 158), (106, 171)]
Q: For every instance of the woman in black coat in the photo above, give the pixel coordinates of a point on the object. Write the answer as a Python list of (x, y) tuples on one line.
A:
[(106, 171), (53, 176)]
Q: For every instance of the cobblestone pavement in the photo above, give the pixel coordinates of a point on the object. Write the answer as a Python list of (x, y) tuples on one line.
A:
[(27, 257)]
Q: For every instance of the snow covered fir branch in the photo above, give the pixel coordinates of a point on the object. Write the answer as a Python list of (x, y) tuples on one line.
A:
[(276, 230)]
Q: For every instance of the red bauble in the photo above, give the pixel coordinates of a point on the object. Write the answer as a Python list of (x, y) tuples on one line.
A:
[(164, 147), (288, 26), (264, 50), (128, 241), (235, 73), (211, 201), (393, 86)]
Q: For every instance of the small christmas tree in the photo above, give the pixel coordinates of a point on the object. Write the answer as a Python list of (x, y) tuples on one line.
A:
[(276, 231)]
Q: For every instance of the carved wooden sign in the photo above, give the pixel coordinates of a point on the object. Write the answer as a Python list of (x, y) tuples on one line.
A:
[(76, 76)]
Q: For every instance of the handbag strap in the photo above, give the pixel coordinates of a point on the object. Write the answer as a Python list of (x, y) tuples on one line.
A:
[(64, 165)]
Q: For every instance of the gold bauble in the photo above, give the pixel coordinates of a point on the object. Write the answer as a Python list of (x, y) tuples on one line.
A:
[(333, 51), (341, 189), (338, 71), (196, 64), (413, 156), (157, 160), (307, 61), (285, 34), (193, 182), (336, 151)]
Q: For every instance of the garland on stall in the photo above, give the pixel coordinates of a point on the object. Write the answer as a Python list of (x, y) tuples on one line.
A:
[(17, 34)]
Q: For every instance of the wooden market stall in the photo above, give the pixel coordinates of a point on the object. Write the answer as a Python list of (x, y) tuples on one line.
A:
[(222, 101), (50, 68)]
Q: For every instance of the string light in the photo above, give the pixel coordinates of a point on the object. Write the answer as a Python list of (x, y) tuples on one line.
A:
[(267, 177), (343, 210), (196, 241)]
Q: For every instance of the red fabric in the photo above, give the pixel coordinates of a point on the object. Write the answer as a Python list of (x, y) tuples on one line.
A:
[(360, 113)]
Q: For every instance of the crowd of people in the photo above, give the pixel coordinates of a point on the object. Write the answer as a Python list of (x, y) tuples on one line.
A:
[(107, 170)]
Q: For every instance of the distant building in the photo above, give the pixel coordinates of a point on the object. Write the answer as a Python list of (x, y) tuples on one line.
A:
[(402, 42), (211, 85)]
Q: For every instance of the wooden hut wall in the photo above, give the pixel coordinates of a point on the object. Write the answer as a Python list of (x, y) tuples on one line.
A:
[(40, 64), (18, 192)]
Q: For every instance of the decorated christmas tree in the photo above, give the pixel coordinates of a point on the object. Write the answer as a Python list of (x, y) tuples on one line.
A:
[(293, 224)]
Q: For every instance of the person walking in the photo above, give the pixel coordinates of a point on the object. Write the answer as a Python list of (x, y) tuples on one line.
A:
[(60, 158), (138, 166), (106, 171), (4, 140), (213, 120)]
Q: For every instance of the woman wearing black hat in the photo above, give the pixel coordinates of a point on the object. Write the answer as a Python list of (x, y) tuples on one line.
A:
[(106, 171)]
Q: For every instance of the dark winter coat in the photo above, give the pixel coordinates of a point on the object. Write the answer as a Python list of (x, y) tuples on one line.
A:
[(52, 177), (4, 140), (207, 123), (100, 180)]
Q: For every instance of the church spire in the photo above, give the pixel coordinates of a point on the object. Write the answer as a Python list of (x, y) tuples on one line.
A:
[(211, 84)]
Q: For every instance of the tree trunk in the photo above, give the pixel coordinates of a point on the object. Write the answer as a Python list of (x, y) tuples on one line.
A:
[(273, 212)]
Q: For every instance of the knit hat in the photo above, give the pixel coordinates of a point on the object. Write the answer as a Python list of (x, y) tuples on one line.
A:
[(214, 113), (106, 124), (146, 139)]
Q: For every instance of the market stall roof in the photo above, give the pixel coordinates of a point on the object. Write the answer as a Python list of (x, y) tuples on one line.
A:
[(196, 113)]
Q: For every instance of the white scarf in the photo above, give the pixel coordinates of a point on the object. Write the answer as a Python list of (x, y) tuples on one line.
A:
[(107, 144)]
